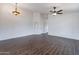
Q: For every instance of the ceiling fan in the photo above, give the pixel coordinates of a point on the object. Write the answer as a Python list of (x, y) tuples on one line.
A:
[(16, 12), (54, 12)]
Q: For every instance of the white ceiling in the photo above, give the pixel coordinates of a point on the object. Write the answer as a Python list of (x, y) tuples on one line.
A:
[(44, 7)]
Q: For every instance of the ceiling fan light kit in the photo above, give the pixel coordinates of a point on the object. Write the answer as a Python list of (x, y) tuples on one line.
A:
[(54, 14), (16, 13)]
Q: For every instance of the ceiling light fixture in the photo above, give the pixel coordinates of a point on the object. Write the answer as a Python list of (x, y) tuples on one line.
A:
[(54, 14), (16, 12)]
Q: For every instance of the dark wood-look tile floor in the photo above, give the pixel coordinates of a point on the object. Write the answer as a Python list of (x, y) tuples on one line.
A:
[(39, 45)]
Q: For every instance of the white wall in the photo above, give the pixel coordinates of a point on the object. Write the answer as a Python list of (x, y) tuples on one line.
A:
[(16, 26), (40, 22), (44, 23), (65, 25)]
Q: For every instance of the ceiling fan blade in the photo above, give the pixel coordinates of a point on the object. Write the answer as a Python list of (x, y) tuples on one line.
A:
[(50, 11), (59, 11)]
